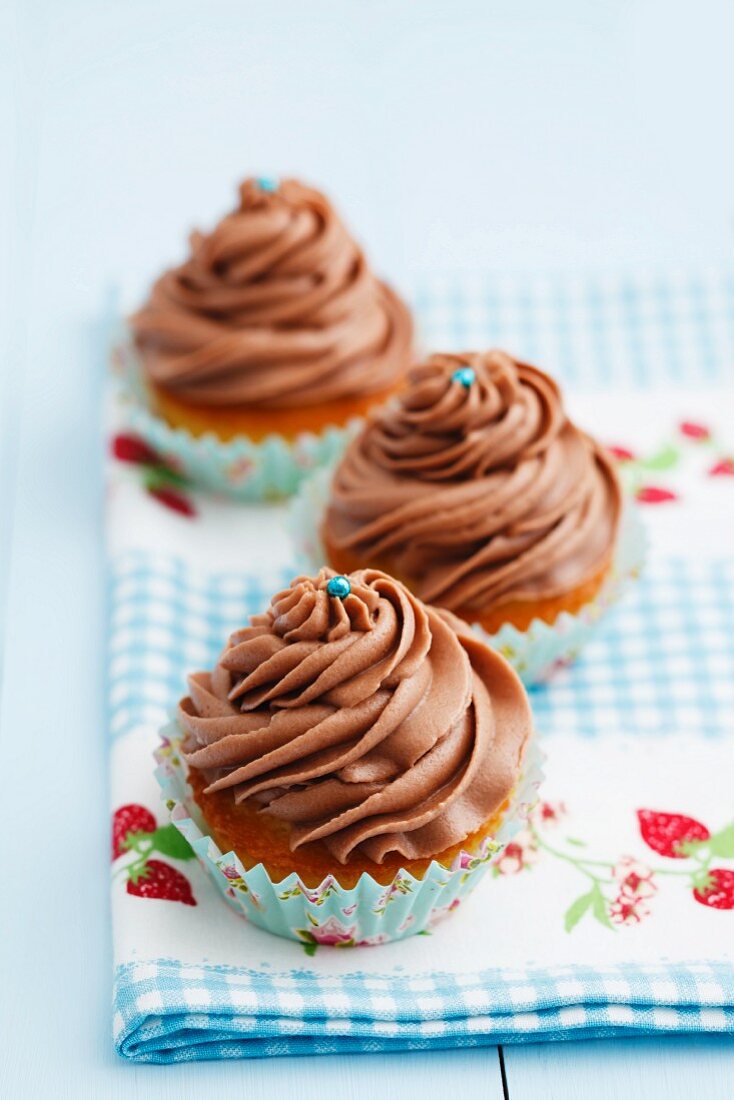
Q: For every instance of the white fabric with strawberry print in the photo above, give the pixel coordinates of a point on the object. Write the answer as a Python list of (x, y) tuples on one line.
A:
[(629, 857)]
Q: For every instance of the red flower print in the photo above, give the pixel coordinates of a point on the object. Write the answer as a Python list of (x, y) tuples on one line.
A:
[(668, 834), (654, 494), (550, 813), (156, 879), (628, 910), (240, 470), (619, 892), (691, 430), (622, 454), (518, 855), (718, 893), (131, 448), (723, 468), (634, 877)]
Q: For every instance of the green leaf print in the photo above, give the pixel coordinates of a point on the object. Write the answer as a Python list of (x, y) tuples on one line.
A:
[(169, 841), (722, 843), (599, 904), (664, 459), (576, 910), (161, 476)]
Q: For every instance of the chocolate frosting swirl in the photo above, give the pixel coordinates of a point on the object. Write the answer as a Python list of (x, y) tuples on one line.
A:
[(275, 308), (481, 493), (372, 723)]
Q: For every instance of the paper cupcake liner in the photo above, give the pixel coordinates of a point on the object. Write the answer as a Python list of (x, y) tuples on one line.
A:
[(240, 468), (330, 915), (540, 650)]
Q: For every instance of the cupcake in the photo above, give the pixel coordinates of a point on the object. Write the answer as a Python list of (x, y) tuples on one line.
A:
[(476, 490), (274, 326), (352, 743)]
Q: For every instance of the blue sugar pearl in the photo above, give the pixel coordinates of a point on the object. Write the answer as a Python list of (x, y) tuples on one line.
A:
[(339, 586), (265, 183), (464, 375)]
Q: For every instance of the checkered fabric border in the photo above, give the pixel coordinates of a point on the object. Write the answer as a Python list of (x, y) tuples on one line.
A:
[(166, 620), (166, 1012), (588, 331), (663, 660)]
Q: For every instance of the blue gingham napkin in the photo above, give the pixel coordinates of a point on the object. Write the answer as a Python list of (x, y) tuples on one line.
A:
[(613, 913)]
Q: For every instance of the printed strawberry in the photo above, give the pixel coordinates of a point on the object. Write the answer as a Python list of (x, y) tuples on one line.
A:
[(653, 494), (667, 834), (156, 879), (723, 468), (622, 454), (698, 432), (131, 448), (173, 499), (132, 818), (718, 893)]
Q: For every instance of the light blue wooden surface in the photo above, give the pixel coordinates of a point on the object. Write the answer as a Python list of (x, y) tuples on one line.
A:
[(473, 135)]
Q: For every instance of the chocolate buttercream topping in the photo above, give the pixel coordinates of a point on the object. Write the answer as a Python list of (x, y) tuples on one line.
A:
[(275, 308), (371, 722), (476, 486)]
